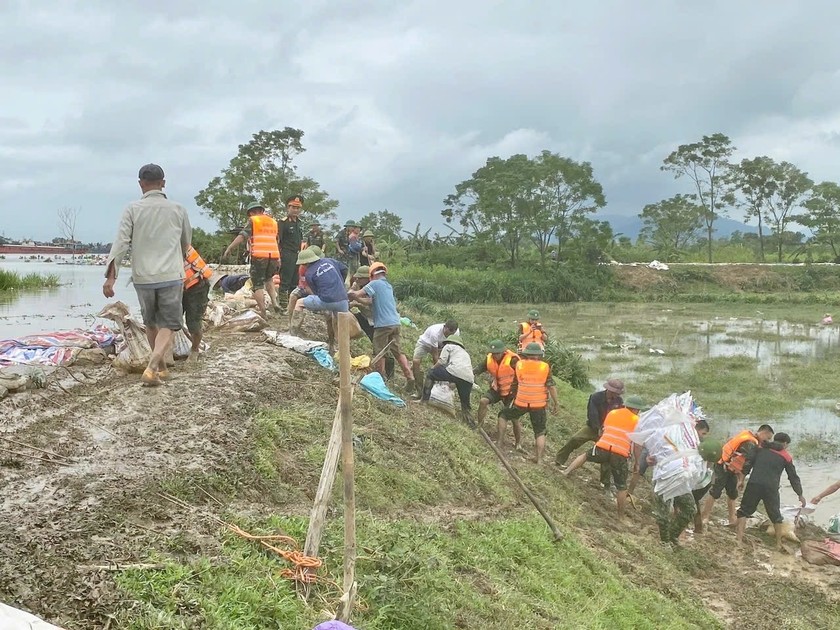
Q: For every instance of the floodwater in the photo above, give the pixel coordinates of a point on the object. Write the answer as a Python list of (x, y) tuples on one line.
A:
[(71, 305), (638, 341)]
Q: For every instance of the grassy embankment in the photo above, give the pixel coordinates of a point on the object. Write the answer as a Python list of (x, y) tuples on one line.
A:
[(755, 284), (445, 539), (12, 281)]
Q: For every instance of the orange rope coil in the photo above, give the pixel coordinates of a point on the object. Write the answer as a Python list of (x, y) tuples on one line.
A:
[(304, 566)]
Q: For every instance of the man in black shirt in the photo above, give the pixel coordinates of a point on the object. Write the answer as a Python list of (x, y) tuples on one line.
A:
[(290, 236), (766, 465)]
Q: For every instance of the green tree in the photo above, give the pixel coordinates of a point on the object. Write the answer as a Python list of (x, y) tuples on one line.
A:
[(672, 224), (788, 186), (705, 163), (263, 170), (750, 179), (823, 215), (492, 202), (210, 246), (384, 224), (562, 192)]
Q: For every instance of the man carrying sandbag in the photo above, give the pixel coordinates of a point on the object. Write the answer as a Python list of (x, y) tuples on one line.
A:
[(453, 366)]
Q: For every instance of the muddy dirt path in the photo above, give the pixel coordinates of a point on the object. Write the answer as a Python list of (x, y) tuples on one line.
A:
[(121, 442)]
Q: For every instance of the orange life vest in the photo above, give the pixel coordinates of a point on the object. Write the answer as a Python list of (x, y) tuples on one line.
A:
[(195, 268), (731, 459), (501, 372), (618, 425), (532, 334), (532, 384), (264, 239)]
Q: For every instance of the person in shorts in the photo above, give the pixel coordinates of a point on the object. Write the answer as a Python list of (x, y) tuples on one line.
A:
[(261, 234), (613, 448), (157, 231), (386, 320), (535, 386), (429, 344), (500, 365)]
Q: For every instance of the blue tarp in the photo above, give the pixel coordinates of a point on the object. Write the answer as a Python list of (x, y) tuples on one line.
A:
[(375, 385), (322, 356)]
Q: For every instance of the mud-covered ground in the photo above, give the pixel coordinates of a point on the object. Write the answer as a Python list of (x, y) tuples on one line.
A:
[(117, 445)]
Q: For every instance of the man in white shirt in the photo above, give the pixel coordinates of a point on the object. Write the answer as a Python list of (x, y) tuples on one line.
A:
[(429, 343), (453, 366)]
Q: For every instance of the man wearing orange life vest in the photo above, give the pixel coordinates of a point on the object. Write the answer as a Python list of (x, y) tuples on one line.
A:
[(613, 447), (500, 364), (261, 233), (728, 472), (532, 331), (534, 386), (196, 295)]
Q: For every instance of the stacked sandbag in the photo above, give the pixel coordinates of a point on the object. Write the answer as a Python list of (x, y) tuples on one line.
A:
[(667, 432)]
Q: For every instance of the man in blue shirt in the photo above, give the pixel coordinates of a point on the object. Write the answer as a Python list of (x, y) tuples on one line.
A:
[(325, 285), (386, 320)]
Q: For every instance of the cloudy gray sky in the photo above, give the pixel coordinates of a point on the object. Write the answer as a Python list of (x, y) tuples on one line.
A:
[(399, 101)]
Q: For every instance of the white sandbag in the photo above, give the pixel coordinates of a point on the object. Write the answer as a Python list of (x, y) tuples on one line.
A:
[(292, 342), (249, 321), (442, 397), (14, 619), (217, 312), (182, 346), (133, 355)]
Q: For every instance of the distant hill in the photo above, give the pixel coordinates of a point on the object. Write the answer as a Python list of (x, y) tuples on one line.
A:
[(632, 225)]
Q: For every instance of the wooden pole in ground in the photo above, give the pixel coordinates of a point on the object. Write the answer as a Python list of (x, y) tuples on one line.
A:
[(551, 524), (318, 515), (347, 468)]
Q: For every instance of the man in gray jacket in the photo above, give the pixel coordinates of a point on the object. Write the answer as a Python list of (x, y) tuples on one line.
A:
[(158, 233)]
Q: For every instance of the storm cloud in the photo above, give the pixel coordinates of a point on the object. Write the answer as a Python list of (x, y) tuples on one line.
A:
[(399, 101)]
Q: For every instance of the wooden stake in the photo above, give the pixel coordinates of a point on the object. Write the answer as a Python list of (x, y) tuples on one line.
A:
[(347, 468), (551, 524)]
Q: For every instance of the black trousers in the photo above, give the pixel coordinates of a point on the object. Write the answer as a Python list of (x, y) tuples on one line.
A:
[(439, 373)]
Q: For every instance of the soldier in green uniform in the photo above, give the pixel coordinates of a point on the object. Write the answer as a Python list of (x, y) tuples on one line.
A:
[(291, 236), (315, 236)]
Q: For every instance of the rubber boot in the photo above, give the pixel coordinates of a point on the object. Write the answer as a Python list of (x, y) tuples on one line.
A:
[(295, 324), (282, 301)]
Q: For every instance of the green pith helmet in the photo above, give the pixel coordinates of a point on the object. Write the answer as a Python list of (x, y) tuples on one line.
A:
[(456, 339), (362, 272), (533, 349), (367, 234), (710, 450), (636, 402), (254, 205), (533, 314), (317, 250), (307, 256), (497, 346), (351, 224), (314, 224)]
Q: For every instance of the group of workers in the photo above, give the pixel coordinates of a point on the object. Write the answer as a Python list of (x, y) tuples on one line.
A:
[(173, 281)]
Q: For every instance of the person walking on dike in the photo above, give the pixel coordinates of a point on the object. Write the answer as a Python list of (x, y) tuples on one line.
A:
[(368, 255), (291, 238), (500, 364), (157, 231), (386, 320), (532, 331), (767, 463), (324, 285), (673, 516), (599, 405), (349, 246), (613, 448), (729, 470), (534, 387), (261, 234), (430, 343), (315, 237), (197, 277), (364, 314), (453, 365)]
